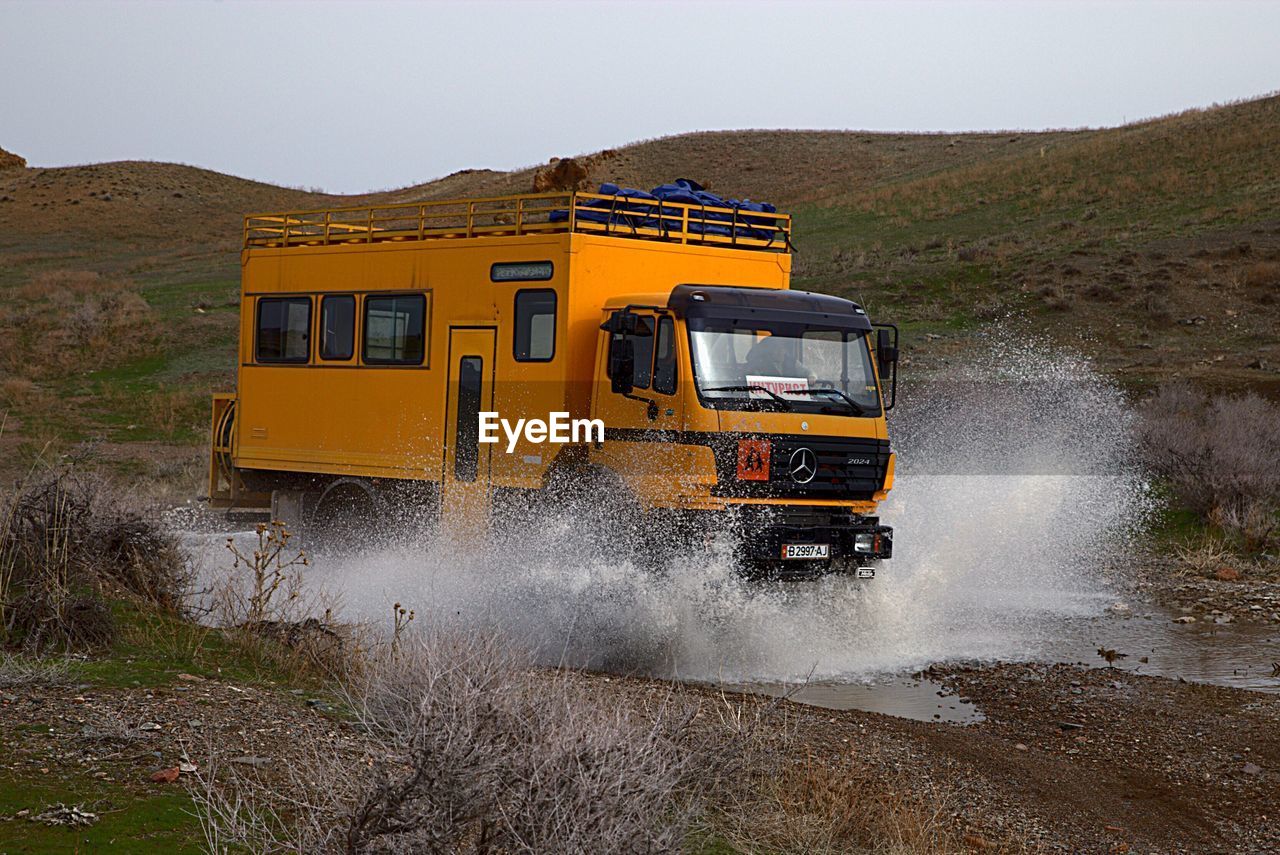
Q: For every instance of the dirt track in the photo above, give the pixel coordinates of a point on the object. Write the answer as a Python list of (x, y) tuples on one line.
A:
[(1075, 759)]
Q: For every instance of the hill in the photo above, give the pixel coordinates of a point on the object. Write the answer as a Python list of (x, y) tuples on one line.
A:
[(1155, 246)]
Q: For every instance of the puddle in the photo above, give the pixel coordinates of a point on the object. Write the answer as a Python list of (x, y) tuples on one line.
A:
[(1241, 655), (905, 697)]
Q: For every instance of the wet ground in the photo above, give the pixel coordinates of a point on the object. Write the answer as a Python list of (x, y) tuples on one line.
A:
[(1149, 641)]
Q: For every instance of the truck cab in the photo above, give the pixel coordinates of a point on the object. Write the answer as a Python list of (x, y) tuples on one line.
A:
[(759, 409)]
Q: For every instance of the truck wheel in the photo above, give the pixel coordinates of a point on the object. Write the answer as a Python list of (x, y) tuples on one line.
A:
[(345, 518)]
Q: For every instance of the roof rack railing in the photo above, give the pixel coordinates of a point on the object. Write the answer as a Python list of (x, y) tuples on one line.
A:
[(534, 213)]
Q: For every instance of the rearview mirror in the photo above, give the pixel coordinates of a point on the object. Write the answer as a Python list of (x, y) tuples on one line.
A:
[(886, 351), (887, 362), (622, 365)]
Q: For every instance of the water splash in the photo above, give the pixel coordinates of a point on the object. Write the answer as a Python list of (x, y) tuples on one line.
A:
[(1014, 483)]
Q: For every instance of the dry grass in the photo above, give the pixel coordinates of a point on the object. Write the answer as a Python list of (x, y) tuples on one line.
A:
[(840, 807), (1262, 274), (767, 791), (71, 321)]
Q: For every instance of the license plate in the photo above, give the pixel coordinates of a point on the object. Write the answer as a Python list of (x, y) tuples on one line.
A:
[(794, 551)]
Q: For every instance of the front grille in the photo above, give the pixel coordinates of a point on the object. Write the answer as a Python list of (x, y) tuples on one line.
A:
[(844, 468)]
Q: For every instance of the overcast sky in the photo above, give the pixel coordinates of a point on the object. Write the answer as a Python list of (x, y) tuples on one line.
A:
[(354, 96)]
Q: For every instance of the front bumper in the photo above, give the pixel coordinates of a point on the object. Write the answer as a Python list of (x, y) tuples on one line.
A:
[(762, 533), (844, 543)]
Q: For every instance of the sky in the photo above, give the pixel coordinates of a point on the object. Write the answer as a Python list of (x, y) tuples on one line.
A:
[(359, 96)]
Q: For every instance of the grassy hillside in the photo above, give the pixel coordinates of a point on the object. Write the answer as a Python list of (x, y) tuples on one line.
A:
[(1155, 246)]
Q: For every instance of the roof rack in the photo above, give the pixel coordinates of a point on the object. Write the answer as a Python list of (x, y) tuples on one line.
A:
[(535, 213)]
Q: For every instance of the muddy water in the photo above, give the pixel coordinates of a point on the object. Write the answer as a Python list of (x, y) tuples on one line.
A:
[(1015, 480)]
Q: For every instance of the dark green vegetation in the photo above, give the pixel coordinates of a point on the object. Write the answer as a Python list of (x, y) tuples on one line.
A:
[(131, 818)]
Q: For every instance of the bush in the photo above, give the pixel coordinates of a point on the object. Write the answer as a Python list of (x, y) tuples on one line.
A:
[(1218, 455), (64, 543), (468, 749)]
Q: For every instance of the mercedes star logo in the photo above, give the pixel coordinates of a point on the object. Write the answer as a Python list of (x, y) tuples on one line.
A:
[(803, 466)]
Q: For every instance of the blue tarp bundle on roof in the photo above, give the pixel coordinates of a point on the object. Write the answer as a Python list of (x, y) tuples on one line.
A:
[(747, 220)]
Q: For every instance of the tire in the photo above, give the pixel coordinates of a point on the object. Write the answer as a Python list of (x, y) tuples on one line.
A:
[(345, 518)]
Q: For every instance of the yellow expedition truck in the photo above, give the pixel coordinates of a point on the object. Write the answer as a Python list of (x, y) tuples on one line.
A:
[(381, 348)]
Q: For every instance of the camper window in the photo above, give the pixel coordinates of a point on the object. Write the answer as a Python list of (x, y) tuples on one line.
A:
[(284, 325), (535, 332), (337, 326), (394, 329)]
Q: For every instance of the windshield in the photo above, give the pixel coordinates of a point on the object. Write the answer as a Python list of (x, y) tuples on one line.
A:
[(744, 364)]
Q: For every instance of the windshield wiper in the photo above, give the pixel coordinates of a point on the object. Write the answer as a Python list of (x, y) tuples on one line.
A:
[(857, 408), (781, 400)]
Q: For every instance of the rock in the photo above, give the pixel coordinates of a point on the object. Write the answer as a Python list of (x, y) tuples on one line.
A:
[(165, 776), (187, 768), (1120, 608), (561, 174), (249, 760), (148, 725), (1258, 364), (61, 814), (1252, 769), (1227, 574), (195, 722), (1070, 725), (1185, 619), (1020, 747), (9, 160)]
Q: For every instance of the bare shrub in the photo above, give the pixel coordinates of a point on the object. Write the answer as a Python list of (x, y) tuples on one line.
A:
[(1219, 457), (469, 749), (989, 308), (64, 543), (23, 672), (1203, 557), (1156, 306), (1263, 274), (1100, 292), (1055, 297), (272, 583)]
